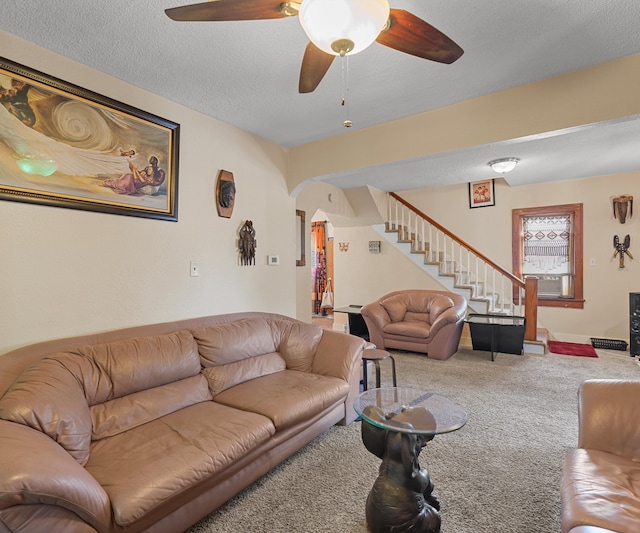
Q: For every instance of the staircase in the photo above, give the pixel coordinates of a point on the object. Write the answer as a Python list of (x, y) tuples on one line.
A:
[(487, 287), (449, 273)]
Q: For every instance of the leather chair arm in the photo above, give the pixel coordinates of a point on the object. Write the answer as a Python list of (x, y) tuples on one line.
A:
[(608, 415), (377, 314), (34, 469), (447, 316)]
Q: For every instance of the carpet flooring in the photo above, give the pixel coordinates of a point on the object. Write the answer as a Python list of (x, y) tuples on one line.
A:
[(500, 473), (572, 348)]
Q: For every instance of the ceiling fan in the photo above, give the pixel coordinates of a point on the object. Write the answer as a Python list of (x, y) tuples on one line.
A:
[(335, 28)]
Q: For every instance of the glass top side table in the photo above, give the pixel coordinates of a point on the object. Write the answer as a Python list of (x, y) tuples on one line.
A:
[(403, 410), (397, 422)]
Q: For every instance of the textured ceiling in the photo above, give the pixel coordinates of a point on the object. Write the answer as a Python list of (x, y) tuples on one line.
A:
[(246, 74)]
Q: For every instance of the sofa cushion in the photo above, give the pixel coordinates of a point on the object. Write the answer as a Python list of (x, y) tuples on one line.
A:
[(286, 397), (221, 344), (137, 380), (298, 343), (415, 306), (76, 396), (148, 467), (600, 489), (246, 349), (222, 377), (132, 365), (395, 306), (121, 414), (416, 328)]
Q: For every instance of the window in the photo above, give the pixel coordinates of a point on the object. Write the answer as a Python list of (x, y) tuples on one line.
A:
[(547, 243)]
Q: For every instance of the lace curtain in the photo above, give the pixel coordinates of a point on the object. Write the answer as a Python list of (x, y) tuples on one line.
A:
[(547, 245)]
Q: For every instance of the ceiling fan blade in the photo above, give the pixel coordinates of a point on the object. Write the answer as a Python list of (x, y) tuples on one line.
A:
[(219, 10), (315, 64), (412, 35)]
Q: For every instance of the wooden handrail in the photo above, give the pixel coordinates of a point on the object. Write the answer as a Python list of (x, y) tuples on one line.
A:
[(531, 308), (516, 280), (530, 285)]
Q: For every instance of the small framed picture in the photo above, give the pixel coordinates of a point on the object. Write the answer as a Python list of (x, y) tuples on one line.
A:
[(482, 193)]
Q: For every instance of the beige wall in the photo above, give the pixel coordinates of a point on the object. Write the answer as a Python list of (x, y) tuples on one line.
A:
[(606, 287), (594, 94), (66, 272), (362, 276)]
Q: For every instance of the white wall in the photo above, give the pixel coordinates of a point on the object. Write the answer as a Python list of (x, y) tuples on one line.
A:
[(65, 272)]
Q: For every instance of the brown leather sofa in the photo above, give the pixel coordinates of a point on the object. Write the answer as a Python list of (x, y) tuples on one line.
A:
[(601, 478), (418, 321), (152, 428)]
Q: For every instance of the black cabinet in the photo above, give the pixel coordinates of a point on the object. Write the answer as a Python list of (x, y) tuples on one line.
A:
[(634, 323), (357, 325), (495, 333)]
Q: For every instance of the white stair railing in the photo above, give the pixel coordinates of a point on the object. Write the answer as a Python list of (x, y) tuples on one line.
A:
[(487, 282)]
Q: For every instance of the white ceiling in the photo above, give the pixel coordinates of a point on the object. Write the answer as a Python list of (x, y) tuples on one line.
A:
[(246, 74)]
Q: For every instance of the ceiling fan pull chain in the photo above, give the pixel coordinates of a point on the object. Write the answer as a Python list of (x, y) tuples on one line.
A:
[(345, 89)]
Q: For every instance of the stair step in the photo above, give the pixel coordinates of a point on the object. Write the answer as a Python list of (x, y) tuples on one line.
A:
[(540, 345)]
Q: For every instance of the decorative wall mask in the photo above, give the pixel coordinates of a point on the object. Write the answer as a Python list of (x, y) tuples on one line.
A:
[(622, 249), (247, 244), (622, 204), (225, 193)]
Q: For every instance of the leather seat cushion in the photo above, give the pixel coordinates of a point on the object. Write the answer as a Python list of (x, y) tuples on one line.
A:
[(286, 397), (145, 467), (417, 329), (600, 489)]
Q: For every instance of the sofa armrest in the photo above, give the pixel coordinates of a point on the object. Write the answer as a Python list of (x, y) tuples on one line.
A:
[(337, 355), (34, 469), (340, 355), (608, 414)]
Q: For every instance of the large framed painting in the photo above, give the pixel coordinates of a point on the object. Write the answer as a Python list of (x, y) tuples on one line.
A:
[(65, 146)]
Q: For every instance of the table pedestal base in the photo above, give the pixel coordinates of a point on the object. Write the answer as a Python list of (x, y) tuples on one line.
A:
[(402, 496)]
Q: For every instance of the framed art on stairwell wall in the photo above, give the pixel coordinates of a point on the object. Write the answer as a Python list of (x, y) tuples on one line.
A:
[(482, 193)]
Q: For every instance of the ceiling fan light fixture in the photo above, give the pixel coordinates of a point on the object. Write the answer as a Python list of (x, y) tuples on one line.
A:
[(504, 165), (343, 27)]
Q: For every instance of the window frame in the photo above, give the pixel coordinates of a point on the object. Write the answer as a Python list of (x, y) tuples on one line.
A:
[(517, 246)]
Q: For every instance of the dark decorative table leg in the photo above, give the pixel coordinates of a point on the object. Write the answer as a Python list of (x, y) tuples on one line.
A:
[(402, 496)]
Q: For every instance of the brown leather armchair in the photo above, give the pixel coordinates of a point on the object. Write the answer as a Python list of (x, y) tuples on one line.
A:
[(418, 321), (601, 478)]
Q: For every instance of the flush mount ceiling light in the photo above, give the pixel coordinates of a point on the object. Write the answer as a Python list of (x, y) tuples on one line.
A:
[(504, 165), (341, 27)]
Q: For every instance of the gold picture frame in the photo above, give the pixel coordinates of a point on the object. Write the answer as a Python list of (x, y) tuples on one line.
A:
[(65, 146), (482, 193)]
